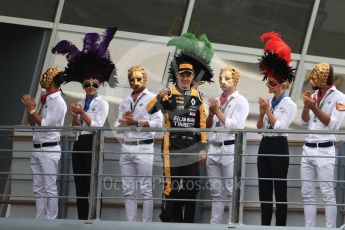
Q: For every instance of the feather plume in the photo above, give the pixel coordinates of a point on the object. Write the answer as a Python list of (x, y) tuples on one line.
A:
[(187, 43), (66, 47), (197, 51), (90, 42), (277, 45), (207, 50), (94, 60), (108, 36), (273, 65), (276, 59)]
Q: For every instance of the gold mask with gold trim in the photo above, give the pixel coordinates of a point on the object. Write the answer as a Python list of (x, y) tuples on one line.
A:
[(137, 78), (228, 77), (48, 76), (319, 75)]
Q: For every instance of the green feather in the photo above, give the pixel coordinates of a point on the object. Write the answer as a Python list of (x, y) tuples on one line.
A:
[(189, 43), (206, 51)]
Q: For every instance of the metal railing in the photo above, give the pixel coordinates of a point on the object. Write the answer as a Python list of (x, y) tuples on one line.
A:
[(98, 174)]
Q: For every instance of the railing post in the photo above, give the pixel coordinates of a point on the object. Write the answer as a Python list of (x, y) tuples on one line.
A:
[(243, 174), (340, 188), (198, 216), (236, 187), (94, 175), (99, 177), (63, 182)]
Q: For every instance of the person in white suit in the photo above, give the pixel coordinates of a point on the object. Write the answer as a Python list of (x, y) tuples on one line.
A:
[(137, 147), (320, 113), (47, 151), (230, 111)]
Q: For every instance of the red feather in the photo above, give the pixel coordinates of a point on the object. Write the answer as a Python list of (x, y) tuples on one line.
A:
[(277, 45)]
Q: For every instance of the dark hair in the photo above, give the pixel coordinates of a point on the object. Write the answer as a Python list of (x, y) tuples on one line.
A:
[(59, 79), (330, 78)]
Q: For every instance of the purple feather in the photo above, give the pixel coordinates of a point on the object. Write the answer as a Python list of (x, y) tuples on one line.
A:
[(93, 61), (90, 42), (66, 47), (108, 36), (107, 55)]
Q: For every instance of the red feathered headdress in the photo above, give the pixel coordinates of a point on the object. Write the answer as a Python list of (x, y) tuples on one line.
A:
[(276, 59)]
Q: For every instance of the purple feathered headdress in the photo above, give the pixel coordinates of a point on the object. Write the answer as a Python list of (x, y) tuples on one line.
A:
[(92, 62)]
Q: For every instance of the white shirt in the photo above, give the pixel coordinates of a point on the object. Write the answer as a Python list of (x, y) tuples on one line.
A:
[(53, 114), (98, 112), (236, 110), (328, 105), (139, 113), (284, 113)]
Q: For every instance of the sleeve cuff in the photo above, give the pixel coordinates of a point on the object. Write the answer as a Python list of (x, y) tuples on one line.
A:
[(303, 123), (44, 122), (277, 125)]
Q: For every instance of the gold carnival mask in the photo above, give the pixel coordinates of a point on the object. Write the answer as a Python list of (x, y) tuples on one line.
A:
[(48, 76), (137, 78), (319, 75), (91, 83), (228, 77)]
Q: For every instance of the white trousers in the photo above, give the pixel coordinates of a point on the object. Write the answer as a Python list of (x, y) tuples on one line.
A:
[(220, 165), (318, 169), (44, 186), (134, 162)]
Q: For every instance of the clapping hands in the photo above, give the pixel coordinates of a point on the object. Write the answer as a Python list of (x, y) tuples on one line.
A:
[(213, 105), (264, 105), (127, 119), (308, 100), (28, 102), (76, 109)]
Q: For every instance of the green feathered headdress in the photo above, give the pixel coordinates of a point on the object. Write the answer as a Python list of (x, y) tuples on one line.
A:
[(196, 51)]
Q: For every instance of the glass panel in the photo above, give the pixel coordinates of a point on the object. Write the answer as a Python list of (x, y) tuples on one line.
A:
[(157, 17), (329, 30), (29, 9), (22, 52), (241, 22)]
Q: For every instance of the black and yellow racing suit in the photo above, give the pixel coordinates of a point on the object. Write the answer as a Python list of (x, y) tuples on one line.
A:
[(181, 109)]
